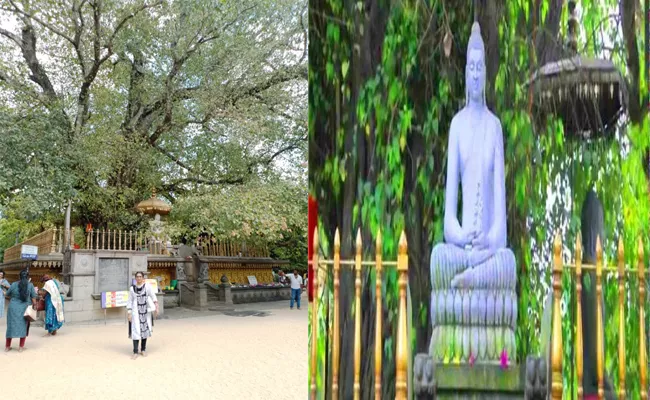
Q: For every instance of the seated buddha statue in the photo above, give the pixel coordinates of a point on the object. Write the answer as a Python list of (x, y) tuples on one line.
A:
[(473, 273)]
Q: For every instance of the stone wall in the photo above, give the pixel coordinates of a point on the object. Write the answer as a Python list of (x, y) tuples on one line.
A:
[(171, 299), (83, 310), (84, 302), (248, 295), (84, 299), (237, 269)]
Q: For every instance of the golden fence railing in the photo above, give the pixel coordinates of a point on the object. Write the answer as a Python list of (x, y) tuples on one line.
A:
[(53, 241), (49, 241), (321, 268), (556, 339), (227, 248), (118, 239)]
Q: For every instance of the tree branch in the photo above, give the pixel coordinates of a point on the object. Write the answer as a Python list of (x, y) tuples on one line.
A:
[(38, 74), (283, 150), (12, 37), (175, 159), (305, 36), (212, 182), (280, 76), (547, 47), (126, 19), (89, 78), (97, 12), (180, 94), (628, 22), (134, 107), (78, 31), (280, 113), (50, 27), (167, 102)]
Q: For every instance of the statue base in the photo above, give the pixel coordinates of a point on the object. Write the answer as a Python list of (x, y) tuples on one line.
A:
[(445, 381)]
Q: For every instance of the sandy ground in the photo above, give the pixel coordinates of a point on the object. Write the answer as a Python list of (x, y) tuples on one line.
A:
[(190, 356)]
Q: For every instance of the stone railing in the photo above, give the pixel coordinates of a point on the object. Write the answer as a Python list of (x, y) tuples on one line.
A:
[(236, 269)]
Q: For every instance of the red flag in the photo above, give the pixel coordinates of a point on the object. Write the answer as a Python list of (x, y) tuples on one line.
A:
[(311, 225)]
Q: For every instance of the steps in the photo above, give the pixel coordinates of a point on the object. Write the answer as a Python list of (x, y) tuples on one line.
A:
[(213, 297)]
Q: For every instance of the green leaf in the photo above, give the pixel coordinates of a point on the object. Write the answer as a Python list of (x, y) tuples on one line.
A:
[(344, 68), (329, 71)]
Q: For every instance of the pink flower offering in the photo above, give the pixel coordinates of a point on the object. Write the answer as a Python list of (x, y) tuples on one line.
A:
[(504, 359)]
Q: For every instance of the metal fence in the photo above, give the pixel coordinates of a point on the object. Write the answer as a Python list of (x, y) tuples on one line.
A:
[(577, 269), (402, 350)]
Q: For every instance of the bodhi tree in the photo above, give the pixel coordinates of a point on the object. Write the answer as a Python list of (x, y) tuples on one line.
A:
[(103, 100)]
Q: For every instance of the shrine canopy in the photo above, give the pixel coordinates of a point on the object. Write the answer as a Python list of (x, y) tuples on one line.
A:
[(589, 95), (153, 206)]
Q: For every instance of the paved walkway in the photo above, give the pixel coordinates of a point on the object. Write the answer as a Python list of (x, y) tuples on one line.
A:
[(257, 352)]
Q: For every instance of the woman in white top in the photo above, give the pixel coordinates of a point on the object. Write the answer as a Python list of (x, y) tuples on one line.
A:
[(4, 286), (142, 303)]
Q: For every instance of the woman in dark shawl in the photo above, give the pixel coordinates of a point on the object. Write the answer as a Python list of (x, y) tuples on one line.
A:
[(21, 294)]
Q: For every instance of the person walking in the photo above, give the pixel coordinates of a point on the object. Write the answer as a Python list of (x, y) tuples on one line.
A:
[(19, 294), (4, 286), (141, 304), (296, 288), (54, 317)]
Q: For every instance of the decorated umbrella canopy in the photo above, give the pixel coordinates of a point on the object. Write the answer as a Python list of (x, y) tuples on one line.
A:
[(153, 206), (589, 95)]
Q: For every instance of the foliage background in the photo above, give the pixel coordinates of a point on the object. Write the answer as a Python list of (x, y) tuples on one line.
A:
[(385, 80), (102, 101)]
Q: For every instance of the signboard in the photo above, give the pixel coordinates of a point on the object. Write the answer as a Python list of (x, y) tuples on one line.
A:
[(113, 274), (153, 283), (28, 252), (115, 299), (252, 280)]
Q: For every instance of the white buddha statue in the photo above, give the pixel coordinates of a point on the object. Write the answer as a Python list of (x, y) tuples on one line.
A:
[(473, 274)]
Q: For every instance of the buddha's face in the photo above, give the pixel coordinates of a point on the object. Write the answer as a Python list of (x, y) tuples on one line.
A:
[(475, 71)]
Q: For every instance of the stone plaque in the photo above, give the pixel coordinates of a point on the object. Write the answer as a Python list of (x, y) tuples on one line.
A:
[(113, 274)]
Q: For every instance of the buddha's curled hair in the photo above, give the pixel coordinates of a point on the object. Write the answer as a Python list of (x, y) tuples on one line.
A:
[(475, 43)]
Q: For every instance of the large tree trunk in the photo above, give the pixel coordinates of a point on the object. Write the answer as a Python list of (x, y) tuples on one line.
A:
[(489, 12)]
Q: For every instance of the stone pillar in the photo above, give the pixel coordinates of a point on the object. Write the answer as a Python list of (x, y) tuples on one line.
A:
[(161, 303), (180, 271), (226, 293), (204, 269), (225, 290), (185, 294), (201, 297), (192, 269)]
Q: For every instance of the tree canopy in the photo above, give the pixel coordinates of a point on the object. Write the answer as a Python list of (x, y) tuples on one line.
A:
[(103, 101)]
